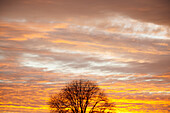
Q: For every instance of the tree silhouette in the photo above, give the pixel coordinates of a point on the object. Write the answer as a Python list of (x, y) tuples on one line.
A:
[(80, 96)]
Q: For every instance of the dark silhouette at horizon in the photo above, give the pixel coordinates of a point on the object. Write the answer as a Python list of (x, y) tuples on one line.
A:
[(81, 96)]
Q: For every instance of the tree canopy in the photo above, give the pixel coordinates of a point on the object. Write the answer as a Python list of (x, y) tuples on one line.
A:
[(80, 96)]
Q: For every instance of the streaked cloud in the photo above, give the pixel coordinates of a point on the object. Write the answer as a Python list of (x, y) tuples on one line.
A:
[(45, 44)]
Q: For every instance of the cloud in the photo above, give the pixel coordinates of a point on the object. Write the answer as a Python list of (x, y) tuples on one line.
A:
[(99, 51), (154, 11), (45, 44)]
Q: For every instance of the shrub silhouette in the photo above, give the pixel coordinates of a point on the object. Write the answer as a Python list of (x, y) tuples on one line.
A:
[(80, 96)]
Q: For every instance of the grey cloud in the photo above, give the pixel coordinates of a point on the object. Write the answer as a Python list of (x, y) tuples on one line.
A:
[(155, 11), (42, 47), (128, 65)]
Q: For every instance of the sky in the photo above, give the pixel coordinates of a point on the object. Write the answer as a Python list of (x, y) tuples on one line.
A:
[(123, 45)]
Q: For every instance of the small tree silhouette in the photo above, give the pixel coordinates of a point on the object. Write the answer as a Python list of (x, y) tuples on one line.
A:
[(80, 96)]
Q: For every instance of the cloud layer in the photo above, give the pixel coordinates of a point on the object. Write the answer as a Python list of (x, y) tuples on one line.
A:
[(125, 49)]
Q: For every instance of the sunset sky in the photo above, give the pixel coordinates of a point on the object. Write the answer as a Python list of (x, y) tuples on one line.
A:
[(123, 45)]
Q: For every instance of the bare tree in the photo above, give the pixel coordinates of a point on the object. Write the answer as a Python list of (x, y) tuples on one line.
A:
[(80, 96)]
